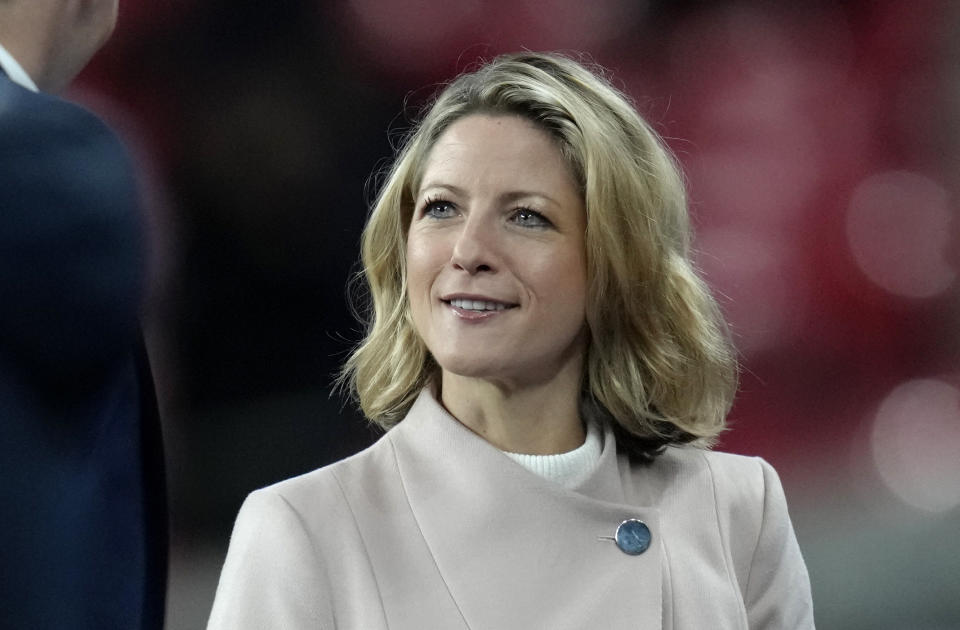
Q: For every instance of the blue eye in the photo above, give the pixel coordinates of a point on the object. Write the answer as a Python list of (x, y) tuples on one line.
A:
[(439, 209), (526, 217)]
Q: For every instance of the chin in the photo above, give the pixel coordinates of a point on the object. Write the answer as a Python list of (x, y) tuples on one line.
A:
[(496, 372), (469, 368)]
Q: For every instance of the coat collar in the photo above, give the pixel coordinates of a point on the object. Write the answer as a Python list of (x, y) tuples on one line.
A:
[(517, 550)]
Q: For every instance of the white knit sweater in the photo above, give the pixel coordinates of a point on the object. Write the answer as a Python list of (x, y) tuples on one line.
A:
[(568, 468)]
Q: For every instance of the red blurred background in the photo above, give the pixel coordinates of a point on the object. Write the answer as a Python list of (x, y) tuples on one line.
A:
[(821, 144)]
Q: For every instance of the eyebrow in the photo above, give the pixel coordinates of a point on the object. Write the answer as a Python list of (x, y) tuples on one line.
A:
[(505, 197)]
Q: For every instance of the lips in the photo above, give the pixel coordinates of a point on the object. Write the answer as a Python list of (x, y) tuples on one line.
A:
[(476, 303)]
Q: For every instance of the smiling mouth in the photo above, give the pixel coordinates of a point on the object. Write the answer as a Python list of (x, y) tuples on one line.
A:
[(478, 305)]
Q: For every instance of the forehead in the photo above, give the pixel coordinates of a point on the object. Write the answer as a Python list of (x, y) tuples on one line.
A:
[(496, 149)]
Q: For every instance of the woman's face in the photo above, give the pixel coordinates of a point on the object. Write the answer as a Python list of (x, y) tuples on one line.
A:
[(496, 267)]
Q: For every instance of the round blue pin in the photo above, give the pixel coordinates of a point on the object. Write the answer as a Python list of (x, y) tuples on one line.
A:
[(633, 537)]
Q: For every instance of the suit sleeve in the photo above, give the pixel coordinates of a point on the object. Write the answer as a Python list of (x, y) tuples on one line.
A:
[(70, 241), (777, 594), (272, 577)]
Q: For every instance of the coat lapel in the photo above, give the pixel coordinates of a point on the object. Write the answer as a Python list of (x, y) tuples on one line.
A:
[(519, 551)]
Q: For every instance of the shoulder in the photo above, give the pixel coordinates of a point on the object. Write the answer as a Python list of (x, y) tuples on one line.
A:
[(37, 110), (745, 489), (731, 492), (734, 478), (58, 156), (330, 495), (45, 139), (26, 115), (748, 509), (738, 478), (739, 486), (296, 541)]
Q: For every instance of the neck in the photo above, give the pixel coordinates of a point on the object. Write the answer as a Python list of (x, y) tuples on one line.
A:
[(53, 40), (25, 31), (539, 419)]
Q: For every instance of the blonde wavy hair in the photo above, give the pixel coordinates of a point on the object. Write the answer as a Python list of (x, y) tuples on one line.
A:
[(659, 362)]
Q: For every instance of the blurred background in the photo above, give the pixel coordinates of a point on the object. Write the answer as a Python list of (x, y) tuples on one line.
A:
[(821, 141)]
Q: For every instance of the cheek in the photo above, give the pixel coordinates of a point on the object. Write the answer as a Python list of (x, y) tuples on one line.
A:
[(561, 280), (418, 267), (423, 266), (426, 256)]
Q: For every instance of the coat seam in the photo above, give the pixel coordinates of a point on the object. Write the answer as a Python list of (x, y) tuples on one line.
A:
[(305, 529), (763, 518), (433, 555), (724, 540), (669, 580), (366, 555)]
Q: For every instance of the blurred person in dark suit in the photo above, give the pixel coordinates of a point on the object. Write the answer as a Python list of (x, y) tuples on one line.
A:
[(82, 508)]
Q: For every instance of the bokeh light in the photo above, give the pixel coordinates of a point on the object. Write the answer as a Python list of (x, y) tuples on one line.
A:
[(916, 444), (898, 226)]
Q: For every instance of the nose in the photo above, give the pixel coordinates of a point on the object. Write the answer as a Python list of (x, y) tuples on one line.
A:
[(475, 250)]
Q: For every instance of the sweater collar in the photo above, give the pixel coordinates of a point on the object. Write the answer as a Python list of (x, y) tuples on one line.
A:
[(568, 468)]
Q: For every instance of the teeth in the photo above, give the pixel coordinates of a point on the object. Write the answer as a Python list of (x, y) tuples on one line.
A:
[(478, 305)]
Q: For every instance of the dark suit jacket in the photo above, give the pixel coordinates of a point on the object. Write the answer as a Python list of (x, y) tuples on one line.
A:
[(82, 510)]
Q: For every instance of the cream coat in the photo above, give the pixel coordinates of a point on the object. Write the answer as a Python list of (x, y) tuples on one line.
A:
[(434, 528)]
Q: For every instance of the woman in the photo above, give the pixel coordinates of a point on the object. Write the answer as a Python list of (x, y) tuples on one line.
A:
[(550, 369)]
